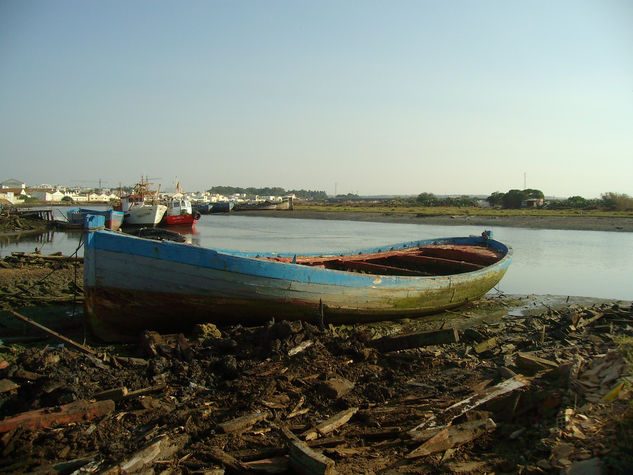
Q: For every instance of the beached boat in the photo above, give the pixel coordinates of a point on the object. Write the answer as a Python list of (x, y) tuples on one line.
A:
[(132, 284), (179, 212), (141, 207)]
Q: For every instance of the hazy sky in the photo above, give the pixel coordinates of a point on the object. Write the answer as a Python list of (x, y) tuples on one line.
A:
[(379, 97)]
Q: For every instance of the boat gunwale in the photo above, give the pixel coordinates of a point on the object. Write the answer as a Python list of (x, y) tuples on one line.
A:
[(259, 259)]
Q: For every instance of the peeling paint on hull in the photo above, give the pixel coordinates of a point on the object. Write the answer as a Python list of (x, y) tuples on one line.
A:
[(133, 284)]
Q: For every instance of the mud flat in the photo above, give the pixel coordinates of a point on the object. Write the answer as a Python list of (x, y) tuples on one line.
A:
[(582, 223)]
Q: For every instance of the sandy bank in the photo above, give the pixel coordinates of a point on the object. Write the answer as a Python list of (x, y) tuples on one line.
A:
[(584, 223)]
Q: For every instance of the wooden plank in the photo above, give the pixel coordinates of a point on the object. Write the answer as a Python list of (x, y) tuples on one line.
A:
[(473, 254), (48, 417), (531, 364), (229, 461), (7, 385), (372, 268), (243, 423), (451, 436), (331, 424), (476, 400), (116, 394), (425, 261), (415, 340), (486, 345), (304, 460), (80, 347), (162, 449)]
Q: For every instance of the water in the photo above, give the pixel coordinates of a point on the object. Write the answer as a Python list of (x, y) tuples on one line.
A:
[(575, 263)]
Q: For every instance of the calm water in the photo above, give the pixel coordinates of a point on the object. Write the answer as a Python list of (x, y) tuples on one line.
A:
[(576, 263)]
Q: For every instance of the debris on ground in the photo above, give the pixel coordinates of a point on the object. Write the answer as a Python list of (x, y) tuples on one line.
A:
[(546, 393)]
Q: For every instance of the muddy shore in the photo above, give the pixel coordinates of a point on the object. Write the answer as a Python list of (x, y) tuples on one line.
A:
[(507, 384), (580, 223)]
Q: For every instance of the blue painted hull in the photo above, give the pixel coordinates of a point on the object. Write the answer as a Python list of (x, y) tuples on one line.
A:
[(132, 284), (111, 219)]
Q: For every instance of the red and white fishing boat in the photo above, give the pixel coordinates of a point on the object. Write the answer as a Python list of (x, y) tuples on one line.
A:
[(179, 212)]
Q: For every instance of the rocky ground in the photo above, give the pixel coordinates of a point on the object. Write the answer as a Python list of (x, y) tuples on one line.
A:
[(483, 389)]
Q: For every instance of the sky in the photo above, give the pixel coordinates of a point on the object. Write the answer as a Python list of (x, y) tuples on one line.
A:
[(367, 97)]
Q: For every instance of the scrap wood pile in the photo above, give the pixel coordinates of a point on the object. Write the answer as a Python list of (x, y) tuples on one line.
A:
[(522, 395)]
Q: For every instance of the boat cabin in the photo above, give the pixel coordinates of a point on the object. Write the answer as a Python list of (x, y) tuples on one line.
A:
[(178, 206)]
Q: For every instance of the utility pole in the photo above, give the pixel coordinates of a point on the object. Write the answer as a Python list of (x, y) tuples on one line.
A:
[(524, 181)]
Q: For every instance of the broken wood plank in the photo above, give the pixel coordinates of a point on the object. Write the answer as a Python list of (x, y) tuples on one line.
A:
[(269, 465), (80, 347), (43, 418), (231, 462), (532, 364), (451, 436), (486, 345), (476, 400), (116, 394), (416, 340), (162, 449), (303, 459), (7, 385), (299, 348), (331, 424), (584, 323), (145, 391), (242, 423)]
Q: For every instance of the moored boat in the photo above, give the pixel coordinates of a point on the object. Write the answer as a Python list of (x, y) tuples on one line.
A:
[(141, 207), (179, 212), (81, 220), (112, 219), (132, 284), (222, 207)]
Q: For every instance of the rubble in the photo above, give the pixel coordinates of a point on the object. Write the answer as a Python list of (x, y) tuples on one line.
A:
[(544, 393)]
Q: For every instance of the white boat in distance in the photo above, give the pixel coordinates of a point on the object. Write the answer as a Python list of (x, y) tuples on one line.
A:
[(141, 207)]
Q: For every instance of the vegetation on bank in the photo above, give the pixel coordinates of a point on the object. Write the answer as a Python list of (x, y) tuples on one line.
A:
[(384, 208)]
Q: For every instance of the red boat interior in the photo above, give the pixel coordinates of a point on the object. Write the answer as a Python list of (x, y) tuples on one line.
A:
[(415, 261)]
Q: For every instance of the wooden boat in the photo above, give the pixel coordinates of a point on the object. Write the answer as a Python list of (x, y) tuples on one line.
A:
[(81, 220), (179, 212), (113, 219), (222, 207), (132, 284), (203, 208)]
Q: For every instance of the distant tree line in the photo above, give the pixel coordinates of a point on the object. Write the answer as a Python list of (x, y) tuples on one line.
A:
[(611, 201), (513, 198), (268, 191)]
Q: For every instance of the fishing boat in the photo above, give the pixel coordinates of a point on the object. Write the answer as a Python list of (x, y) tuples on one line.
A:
[(141, 207), (179, 212), (132, 284)]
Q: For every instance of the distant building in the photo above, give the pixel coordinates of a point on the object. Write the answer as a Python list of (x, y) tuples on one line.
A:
[(13, 184), (532, 203)]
